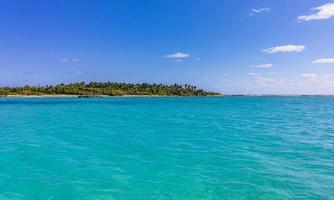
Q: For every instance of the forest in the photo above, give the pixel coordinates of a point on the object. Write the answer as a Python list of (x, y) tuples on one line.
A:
[(108, 89)]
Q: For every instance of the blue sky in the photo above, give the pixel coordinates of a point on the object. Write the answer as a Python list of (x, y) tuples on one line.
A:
[(230, 46)]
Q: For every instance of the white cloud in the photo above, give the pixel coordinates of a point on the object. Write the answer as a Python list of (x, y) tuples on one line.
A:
[(317, 83), (328, 78), (264, 80), (325, 11), (324, 78), (259, 10), (69, 60), (263, 66), (261, 80), (272, 83), (310, 76), (253, 74), (197, 59), (324, 61), (177, 55), (285, 49)]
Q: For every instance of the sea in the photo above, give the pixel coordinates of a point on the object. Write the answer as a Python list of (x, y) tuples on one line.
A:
[(167, 148)]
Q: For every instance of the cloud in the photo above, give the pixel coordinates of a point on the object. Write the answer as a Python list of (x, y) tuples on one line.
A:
[(253, 74), (328, 77), (324, 61), (258, 11), (322, 83), (325, 11), (69, 60), (310, 76), (285, 49), (324, 78), (197, 59), (260, 79), (177, 55), (263, 66)]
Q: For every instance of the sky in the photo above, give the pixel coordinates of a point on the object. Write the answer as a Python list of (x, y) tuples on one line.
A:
[(229, 46)]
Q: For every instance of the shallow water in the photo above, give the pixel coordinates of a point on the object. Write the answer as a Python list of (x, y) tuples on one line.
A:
[(167, 148)]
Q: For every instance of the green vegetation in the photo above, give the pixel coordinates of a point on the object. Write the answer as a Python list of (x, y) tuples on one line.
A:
[(107, 88)]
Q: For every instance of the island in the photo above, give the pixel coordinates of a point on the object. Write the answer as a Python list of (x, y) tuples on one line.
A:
[(105, 89)]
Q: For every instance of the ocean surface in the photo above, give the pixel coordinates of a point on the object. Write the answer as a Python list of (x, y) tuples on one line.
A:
[(186, 148)]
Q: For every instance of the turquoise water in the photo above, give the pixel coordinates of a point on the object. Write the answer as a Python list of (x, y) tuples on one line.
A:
[(167, 148)]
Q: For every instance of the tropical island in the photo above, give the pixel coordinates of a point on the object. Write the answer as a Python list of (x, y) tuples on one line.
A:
[(104, 89)]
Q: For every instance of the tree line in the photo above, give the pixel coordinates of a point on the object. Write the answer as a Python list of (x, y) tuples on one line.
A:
[(108, 88)]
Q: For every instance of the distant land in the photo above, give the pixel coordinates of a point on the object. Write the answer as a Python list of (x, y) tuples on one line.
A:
[(105, 89)]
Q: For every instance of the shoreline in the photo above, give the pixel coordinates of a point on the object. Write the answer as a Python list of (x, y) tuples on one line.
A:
[(93, 96), (144, 96)]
